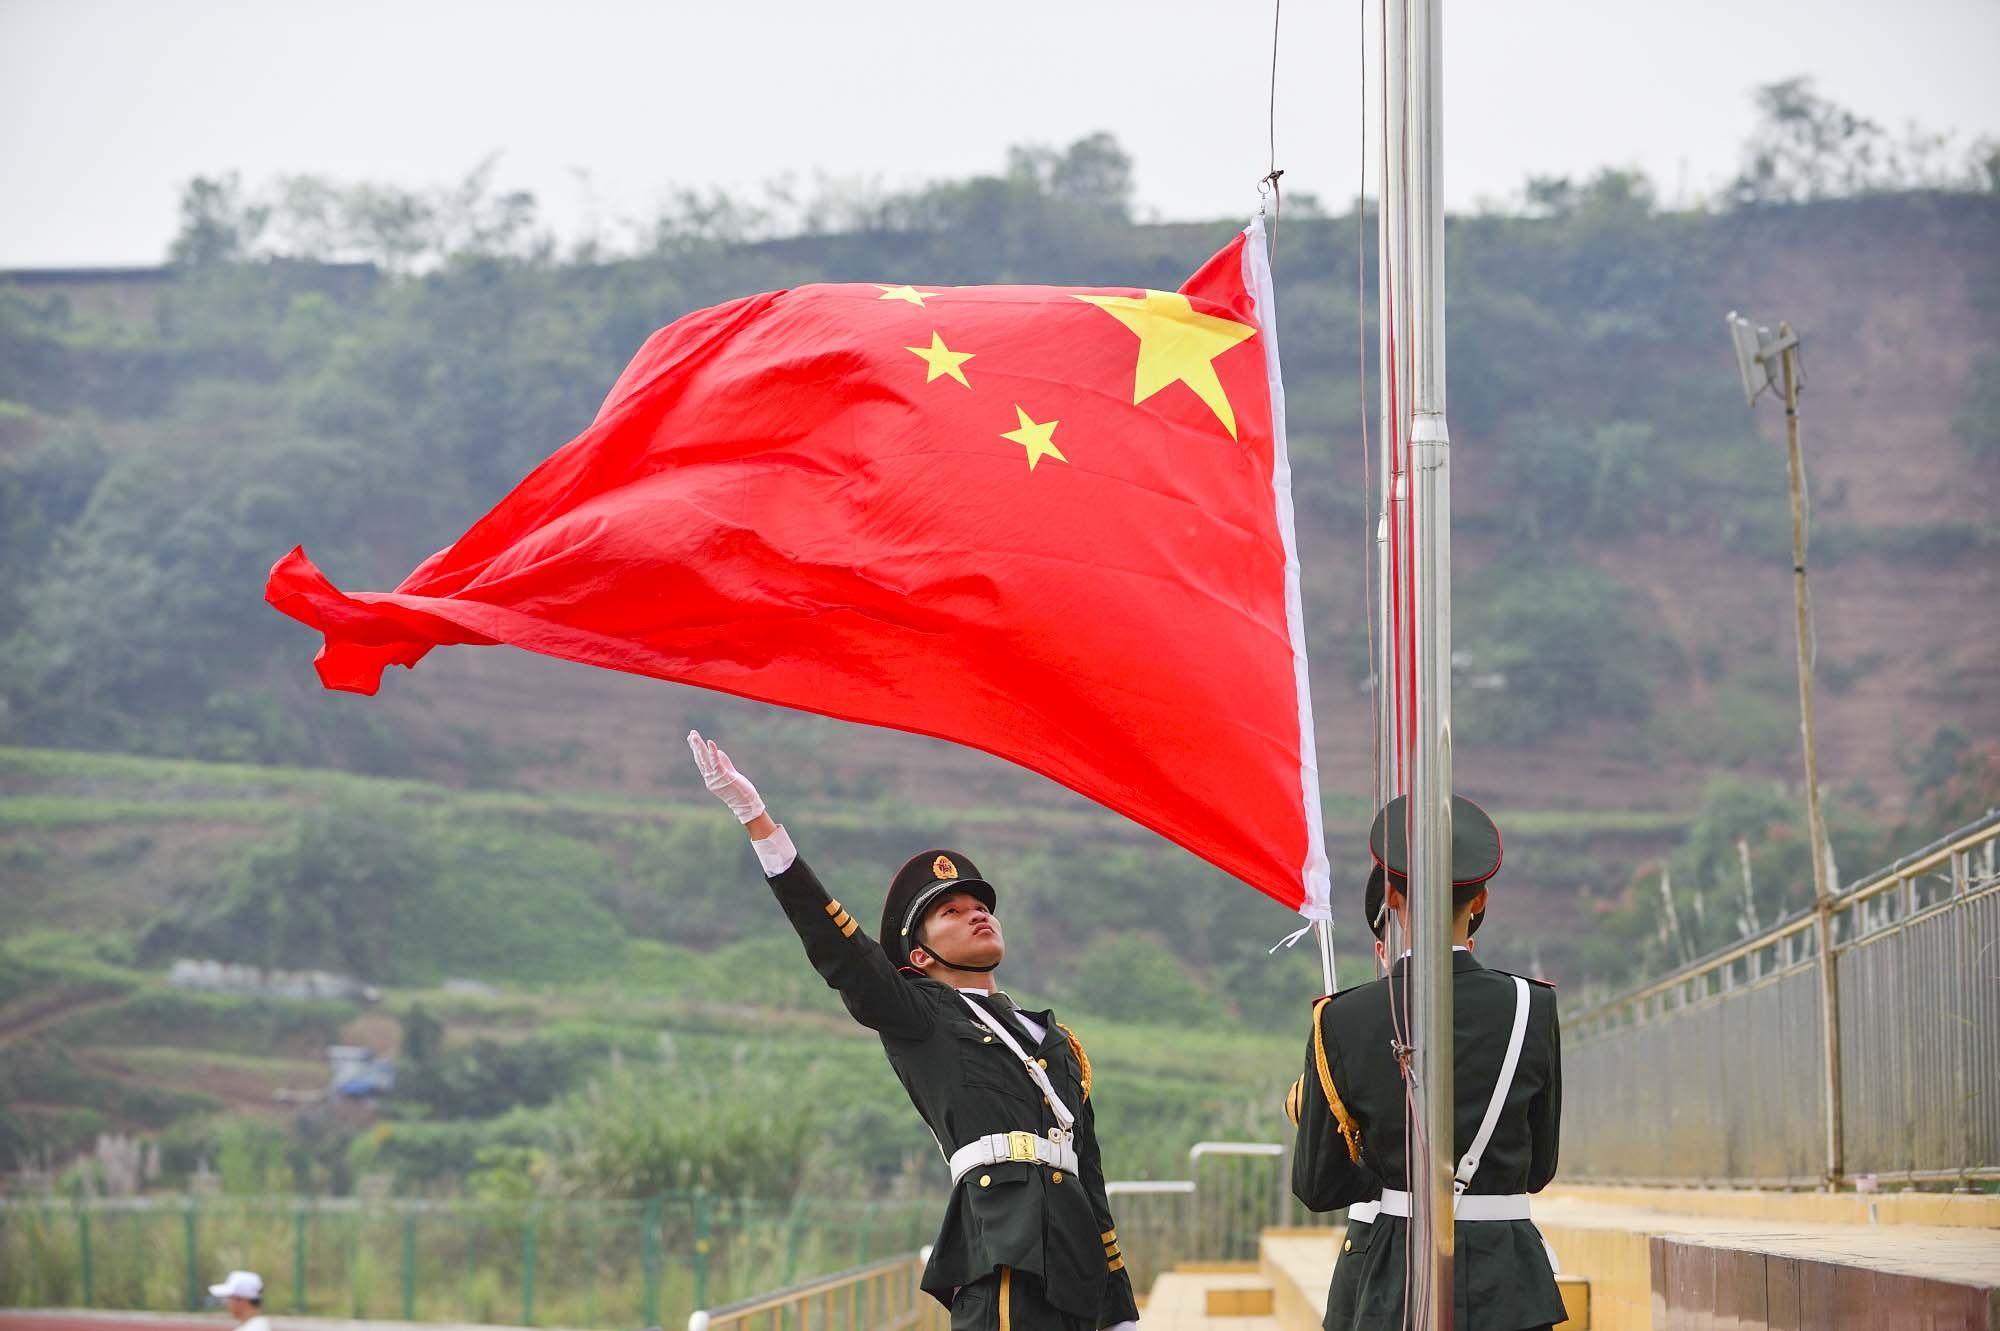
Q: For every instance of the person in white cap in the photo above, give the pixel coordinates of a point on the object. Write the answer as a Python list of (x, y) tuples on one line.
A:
[(243, 1291)]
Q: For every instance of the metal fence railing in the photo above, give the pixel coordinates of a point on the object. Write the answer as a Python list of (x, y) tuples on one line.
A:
[(559, 1262), (881, 1296), (546, 1262), (1717, 1073), (1235, 1190)]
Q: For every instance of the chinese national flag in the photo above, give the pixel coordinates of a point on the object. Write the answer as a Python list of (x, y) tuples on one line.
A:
[(1053, 523)]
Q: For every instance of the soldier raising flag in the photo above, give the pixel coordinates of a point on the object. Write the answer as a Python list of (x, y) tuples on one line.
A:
[(1028, 1238)]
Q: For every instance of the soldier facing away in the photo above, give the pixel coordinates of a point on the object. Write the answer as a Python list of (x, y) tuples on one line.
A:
[(1507, 1079), (1028, 1240)]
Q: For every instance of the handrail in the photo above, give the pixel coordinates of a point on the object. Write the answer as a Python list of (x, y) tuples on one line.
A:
[(1200, 1149), (892, 1281), (1944, 850)]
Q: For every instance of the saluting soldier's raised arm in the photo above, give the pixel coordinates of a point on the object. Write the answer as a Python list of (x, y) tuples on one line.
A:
[(839, 949)]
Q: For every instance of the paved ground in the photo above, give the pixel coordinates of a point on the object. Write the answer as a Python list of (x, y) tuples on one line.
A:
[(92, 1319), (1179, 1303)]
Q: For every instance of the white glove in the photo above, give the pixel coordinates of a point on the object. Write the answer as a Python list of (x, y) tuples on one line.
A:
[(723, 780)]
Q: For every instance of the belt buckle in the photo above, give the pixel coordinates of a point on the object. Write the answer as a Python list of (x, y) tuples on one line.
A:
[(1021, 1147)]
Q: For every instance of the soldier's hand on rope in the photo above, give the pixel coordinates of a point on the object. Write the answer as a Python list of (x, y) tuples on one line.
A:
[(723, 780)]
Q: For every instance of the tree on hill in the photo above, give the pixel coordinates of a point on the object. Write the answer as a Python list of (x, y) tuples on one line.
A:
[(1807, 147)]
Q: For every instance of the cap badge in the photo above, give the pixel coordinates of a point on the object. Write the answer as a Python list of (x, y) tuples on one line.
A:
[(942, 867)]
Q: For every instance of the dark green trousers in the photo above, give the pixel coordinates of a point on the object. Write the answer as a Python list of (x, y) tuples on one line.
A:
[(1009, 1300)]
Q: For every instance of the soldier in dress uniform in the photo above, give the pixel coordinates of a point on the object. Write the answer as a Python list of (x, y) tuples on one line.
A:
[(1028, 1239), (1507, 1079)]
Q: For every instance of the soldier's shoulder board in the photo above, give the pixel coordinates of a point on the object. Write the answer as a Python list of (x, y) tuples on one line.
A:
[(1368, 986), (1544, 984)]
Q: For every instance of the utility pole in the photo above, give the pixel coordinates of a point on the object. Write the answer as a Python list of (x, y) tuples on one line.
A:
[(1775, 361)]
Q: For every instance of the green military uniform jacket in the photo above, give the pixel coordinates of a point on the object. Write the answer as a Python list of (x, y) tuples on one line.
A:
[(966, 1085), (1352, 1095)]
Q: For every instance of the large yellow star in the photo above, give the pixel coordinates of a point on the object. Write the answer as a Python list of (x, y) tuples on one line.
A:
[(942, 360), (1177, 344), (909, 293), (1039, 440)]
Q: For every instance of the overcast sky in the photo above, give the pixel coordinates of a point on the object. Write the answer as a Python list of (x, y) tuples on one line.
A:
[(602, 106)]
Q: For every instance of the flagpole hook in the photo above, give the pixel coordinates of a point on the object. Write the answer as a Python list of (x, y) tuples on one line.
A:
[(1268, 192)]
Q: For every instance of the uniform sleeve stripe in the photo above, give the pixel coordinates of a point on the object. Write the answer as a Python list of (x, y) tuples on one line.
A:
[(847, 930), (1118, 1264), (1109, 1236), (833, 908)]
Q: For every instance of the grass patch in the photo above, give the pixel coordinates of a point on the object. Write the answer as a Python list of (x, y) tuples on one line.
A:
[(170, 1017), (35, 1072), (43, 812), (1591, 822)]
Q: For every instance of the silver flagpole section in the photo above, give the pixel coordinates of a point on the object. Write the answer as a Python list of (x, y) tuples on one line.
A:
[(1391, 326), (1431, 1157)]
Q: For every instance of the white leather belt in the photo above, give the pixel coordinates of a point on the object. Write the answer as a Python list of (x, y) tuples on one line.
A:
[(1365, 1212), (1000, 1148), (1467, 1206)]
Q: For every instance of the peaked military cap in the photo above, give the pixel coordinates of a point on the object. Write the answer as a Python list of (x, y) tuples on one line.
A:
[(1375, 900), (1475, 841), (925, 877)]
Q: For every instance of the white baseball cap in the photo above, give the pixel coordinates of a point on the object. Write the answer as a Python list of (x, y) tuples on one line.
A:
[(239, 1285)]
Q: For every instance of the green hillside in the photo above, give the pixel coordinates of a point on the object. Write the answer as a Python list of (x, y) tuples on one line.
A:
[(601, 926), (178, 786)]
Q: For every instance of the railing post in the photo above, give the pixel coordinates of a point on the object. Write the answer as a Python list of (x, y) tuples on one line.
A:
[(410, 1267), (83, 1255), (590, 1268), (193, 1270), (797, 1232), (649, 1230), (867, 1234), (701, 1246), (354, 1266), (299, 1259), (528, 1227)]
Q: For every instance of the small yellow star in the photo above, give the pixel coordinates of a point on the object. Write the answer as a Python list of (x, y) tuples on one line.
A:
[(1039, 440), (909, 293), (942, 360), (1177, 344)]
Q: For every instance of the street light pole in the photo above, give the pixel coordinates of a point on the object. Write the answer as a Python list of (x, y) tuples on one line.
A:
[(1778, 359), (1815, 825)]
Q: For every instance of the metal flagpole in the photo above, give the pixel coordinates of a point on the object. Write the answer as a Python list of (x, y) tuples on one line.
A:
[(1392, 321), (1430, 1154)]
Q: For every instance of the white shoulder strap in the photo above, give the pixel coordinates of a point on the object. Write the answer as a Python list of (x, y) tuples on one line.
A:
[(1469, 1164), (1035, 1070)]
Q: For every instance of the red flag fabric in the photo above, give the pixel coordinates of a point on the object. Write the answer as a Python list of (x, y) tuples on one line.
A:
[(1052, 523)]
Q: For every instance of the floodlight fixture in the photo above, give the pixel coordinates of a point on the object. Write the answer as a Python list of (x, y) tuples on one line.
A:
[(1757, 354)]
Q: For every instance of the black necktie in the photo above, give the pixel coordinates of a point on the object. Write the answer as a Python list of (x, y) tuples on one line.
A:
[(1009, 1012)]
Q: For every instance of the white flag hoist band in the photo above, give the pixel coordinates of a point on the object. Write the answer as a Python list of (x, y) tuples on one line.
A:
[(1503, 1206), (1056, 1151)]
